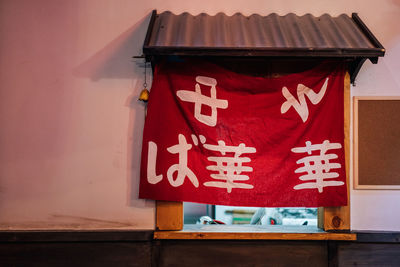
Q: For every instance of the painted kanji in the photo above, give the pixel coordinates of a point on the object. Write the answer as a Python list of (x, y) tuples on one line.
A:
[(317, 167), (199, 99)]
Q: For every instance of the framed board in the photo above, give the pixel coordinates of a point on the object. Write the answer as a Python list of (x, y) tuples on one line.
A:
[(376, 142)]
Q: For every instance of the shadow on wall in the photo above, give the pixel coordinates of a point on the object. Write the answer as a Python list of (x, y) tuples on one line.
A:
[(115, 61), (135, 133)]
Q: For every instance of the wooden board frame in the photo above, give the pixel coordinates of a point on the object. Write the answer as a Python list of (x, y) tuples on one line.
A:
[(169, 215), (338, 218), (356, 184)]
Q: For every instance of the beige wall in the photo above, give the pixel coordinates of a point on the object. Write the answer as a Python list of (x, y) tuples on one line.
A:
[(71, 127)]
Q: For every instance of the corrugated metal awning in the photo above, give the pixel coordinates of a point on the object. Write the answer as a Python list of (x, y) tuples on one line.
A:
[(262, 36)]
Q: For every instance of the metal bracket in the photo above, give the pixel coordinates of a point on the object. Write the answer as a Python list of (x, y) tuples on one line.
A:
[(354, 68)]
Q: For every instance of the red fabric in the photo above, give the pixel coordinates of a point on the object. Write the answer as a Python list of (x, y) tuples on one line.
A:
[(254, 117)]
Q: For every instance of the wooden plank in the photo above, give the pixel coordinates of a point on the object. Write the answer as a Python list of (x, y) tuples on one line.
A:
[(252, 232), (241, 253), (169, 215), (320, 217), (76, 254), (378, 237), (253, 236), (76, 236), (333, 253), (368, 254), (338, 218)]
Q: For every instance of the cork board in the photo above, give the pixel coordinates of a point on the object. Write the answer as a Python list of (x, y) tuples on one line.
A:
[(377, 143)]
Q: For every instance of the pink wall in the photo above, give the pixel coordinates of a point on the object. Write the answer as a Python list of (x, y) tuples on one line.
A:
[(71, 127), (70, 123)]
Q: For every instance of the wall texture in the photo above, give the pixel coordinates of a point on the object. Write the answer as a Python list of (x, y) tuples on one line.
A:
[(71, 127)]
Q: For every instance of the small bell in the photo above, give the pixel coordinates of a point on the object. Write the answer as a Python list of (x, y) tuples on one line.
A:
[(144, 95)]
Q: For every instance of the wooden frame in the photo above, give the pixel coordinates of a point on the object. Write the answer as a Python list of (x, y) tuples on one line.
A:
[(357, 184), (169, 215), (338, 218)]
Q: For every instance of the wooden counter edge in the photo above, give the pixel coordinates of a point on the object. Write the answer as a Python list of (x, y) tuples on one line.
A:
[(253, 236)]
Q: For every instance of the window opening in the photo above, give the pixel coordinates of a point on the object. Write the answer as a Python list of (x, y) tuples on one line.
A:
[(195, 213)]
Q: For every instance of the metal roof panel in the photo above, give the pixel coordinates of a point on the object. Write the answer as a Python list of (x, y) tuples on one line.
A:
[(257, 35), (288, 36)]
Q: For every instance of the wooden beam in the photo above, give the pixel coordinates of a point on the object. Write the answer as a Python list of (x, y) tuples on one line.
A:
[(253, 232), (338, 218), (169, 215), (254, 236)]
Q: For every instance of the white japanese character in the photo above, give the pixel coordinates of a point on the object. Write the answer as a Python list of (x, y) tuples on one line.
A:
[(152, 177), (318, 167), (183, 171), (199, 99), (302, 108), (182, 148), (229, 168)]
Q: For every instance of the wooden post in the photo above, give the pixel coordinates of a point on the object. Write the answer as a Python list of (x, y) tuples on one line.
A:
[(338, 218), (169, 215)]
